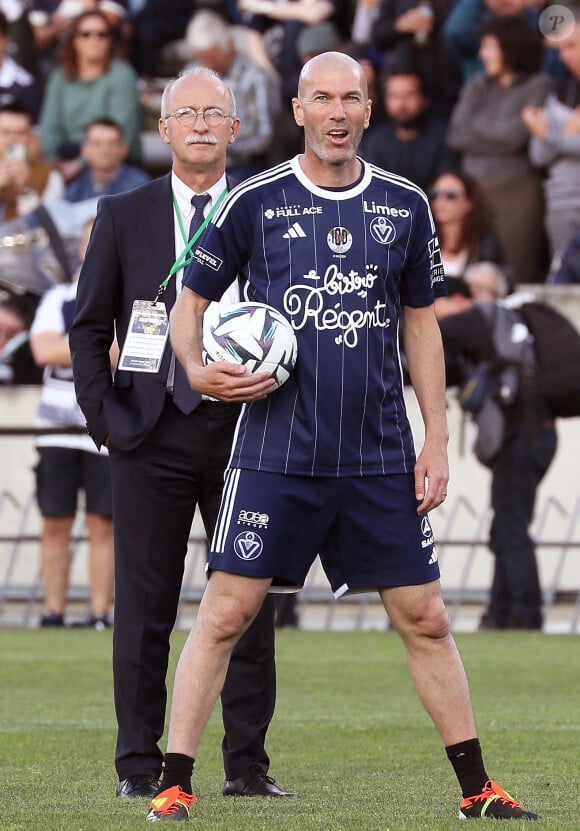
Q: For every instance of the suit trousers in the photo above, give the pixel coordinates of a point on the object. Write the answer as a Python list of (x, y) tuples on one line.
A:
[(156, 489), (516, 596)]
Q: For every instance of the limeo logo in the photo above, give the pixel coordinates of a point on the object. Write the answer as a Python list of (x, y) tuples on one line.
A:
[(253, 518), (384, 210)]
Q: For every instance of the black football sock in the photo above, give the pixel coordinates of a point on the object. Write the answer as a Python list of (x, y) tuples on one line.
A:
[(177, 770), (468, 765)]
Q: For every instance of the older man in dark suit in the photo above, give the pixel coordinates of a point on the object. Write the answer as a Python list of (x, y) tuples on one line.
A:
[(168, 447)]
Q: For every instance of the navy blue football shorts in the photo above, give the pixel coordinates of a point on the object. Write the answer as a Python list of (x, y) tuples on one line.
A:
[(365, 529)]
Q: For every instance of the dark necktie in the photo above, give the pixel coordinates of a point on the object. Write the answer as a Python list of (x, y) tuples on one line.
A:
[(183, 396)]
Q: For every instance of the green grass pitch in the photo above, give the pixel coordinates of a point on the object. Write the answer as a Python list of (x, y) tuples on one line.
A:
[(349, 734)]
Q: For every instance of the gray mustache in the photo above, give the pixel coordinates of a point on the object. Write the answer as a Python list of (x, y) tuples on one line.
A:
[(202, 138)]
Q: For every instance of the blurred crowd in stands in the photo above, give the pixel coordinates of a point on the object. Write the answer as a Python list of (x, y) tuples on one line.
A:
[(476, 101)]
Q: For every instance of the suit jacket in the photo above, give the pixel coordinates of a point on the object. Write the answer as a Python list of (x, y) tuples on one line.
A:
[(131, 250)]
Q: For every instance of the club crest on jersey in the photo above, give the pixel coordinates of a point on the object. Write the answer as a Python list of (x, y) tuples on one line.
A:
[(339, 240), (248, 545), (383, 230)]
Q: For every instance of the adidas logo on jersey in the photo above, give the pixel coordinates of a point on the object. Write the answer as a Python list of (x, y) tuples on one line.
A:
[(433, 558), (294, 232)]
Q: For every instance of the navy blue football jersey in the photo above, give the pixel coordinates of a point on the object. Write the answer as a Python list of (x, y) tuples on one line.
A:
[(339, 264)]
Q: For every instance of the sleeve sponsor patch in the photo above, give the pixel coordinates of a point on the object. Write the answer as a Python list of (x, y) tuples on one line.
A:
[(204, 257), (435, 263)]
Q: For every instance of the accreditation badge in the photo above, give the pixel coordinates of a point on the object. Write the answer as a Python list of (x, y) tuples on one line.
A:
[(146, 337)]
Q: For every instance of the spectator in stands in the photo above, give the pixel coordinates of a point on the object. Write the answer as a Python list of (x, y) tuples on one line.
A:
[(366, 14), (411, 142), (462, 223), (488, 129), (69, 462), (17, 365), (566, 268), (463, 25), (105, 172), (282, 22), (53, 20), (487, 283), (408, 33), (25, 177), (89, 83), (257, 98), (155, 24), (22, 46), (555, 146), (316, 39), (525, 455), (16, 83)]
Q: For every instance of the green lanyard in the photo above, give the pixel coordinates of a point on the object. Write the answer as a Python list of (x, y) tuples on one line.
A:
[(182, 261)]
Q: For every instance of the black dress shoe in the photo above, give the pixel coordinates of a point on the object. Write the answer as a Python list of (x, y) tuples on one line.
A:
[(255, 783), (135, 786)]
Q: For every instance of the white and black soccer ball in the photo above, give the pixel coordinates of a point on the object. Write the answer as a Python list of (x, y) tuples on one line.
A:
[(253, 334)]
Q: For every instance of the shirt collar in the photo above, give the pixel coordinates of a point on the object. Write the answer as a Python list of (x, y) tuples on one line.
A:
[(183, 193)]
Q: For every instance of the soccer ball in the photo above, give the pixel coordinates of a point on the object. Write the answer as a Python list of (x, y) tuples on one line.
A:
[(253, 334)]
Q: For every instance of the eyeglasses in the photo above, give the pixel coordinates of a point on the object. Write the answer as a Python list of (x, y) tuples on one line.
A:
[(445, 194), (102, 34), (188, 116)]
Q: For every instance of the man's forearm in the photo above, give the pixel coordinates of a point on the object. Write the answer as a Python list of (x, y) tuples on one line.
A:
[(186, 329), (425, 359)]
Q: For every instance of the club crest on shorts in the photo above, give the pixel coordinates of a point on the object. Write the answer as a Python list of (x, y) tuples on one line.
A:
[(248, 545)]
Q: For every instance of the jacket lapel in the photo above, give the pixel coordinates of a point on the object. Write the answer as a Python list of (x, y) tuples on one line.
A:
[(160, 229)]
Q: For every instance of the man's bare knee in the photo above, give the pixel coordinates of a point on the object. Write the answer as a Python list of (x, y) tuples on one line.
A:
[(436, 624), (418, 612), (228, 607), (224, 620), (427, 623)]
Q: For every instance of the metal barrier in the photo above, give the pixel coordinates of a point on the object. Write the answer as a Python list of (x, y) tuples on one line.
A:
[(461, 529), (465, 564)]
